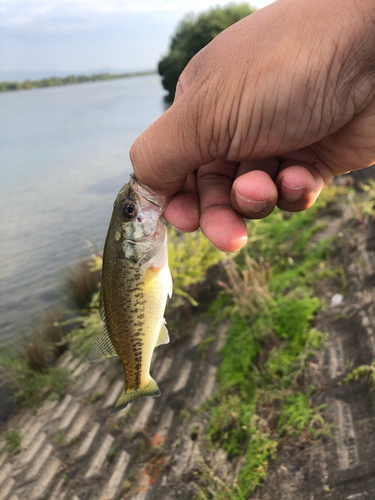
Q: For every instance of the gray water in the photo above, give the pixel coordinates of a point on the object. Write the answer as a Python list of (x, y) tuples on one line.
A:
[(64, 155)]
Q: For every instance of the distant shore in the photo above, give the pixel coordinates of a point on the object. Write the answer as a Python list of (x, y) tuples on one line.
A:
[(55, 81)]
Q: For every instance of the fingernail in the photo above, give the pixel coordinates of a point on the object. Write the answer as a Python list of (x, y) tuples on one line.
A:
[(248, 205), (292, 194)]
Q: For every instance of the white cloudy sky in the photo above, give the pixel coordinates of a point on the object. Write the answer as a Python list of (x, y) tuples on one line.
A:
[(79, 35)]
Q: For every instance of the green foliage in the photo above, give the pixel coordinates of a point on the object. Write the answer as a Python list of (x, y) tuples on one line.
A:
[(69, 80), (60, 439), (365, 372), (189, 257), (298, 417), (192, 34), (269, 297), (363, 203), (260, 449), (32, 386), (243, 345), (111, 455), (230, 427), (82, 281), (12, 441)]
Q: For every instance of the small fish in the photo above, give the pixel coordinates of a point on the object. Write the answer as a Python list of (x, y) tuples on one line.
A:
[(135, 283)]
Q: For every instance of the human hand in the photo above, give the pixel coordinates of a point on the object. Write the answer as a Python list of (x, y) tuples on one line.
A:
[(272, 108)]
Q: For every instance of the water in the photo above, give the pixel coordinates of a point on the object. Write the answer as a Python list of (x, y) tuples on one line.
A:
[(64, 155)]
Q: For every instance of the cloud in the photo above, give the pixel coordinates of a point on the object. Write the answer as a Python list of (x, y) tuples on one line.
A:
[(86, 14)]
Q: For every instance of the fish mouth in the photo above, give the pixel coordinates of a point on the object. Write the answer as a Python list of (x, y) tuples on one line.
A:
[(147, 193)]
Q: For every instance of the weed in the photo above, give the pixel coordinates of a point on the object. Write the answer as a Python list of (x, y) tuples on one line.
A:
[(111, 455), (248, 288), (190, 255), (60, 439), (271, 303), (363, 203), (204, 346), (365, 372), (31, 386), (52, 328), (298, 417), (12, 441), (230, 423), (96, 397), (37, 352), (261, 447), (82, 282)]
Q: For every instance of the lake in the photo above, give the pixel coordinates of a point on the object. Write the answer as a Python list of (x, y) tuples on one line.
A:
[(64, 155)]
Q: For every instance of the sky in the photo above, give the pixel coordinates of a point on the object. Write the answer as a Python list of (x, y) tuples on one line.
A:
[(76, 36)]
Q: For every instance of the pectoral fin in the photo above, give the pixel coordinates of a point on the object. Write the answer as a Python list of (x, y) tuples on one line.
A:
[(163, 335), (103, 347)]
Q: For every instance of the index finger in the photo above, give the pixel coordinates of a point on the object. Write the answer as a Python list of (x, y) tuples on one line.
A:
[(173, 146)]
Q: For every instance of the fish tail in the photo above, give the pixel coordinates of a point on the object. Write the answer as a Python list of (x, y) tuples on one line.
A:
[(128, 396)]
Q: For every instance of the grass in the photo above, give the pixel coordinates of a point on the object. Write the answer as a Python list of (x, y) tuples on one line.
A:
[(263, 400), (12, 441), (82, 281), (29, 368), (60, 438), (363, 372)]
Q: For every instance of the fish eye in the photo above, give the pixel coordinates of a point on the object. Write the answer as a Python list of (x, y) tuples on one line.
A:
[(129, 211)]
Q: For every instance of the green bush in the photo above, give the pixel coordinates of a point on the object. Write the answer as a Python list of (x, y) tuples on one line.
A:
[(192, 34)]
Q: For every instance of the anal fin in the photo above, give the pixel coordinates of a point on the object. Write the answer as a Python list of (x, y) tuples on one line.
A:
[(103, 347), (163, 337)]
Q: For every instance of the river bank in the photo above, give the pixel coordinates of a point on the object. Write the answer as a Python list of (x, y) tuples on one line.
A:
[(236, 390), (55, 81)]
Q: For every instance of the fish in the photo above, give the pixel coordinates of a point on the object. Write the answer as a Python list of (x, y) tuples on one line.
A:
[(136, 282)]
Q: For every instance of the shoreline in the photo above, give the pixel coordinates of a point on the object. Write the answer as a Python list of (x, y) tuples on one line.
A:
[(53, 81)]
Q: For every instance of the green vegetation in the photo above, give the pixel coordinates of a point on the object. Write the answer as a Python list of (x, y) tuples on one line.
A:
[(60, 438), (363, 372), (54, 81), (189, 257), (111, 455), (192, 34), (263, 399), (29, 369), (12, 441), (363, 201)]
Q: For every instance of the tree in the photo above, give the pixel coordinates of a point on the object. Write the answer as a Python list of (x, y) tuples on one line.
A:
[(192, 34)]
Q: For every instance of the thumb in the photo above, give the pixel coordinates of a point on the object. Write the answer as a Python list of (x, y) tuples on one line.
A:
[(174, 145)]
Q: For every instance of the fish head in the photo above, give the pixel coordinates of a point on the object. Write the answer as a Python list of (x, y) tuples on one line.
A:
[(137, 224)]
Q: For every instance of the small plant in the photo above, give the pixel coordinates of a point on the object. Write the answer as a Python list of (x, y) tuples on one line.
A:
[(12, 441), (365, 372), (31, 387), (111, 455), (190, 255), (82, 282), (298, 417), (60, 439), (363, 203), (36, 352), (96, 397), (248, 287)]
